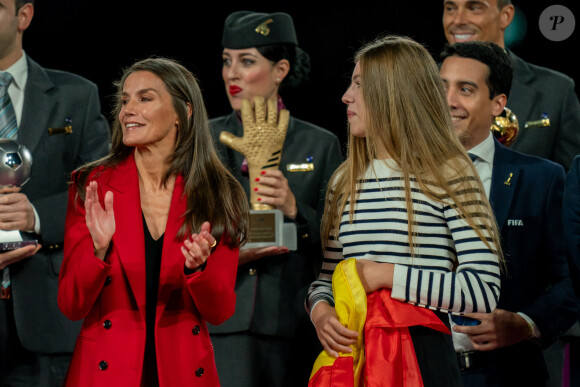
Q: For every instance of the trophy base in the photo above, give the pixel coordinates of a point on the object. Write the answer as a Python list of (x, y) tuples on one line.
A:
[(267, 228), (7, 246)]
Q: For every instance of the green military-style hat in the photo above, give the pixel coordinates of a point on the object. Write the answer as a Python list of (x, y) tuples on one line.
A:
[(244, 29)]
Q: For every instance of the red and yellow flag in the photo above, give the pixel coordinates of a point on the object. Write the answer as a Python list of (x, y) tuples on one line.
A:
[(386, 357)]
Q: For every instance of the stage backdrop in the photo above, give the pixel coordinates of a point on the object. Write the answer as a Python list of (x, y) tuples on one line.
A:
[(96, 39)]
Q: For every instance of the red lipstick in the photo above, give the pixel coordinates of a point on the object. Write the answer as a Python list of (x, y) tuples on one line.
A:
[(235, 90)]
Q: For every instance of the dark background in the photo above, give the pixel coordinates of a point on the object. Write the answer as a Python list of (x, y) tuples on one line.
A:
[(97, 39)]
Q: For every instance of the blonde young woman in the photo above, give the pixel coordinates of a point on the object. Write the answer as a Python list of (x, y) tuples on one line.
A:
[(408, 206)]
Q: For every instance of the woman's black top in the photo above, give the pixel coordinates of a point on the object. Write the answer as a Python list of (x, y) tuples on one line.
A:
[(153, 250)]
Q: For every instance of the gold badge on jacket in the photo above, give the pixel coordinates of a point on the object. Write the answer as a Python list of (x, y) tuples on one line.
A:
[(66, 129), (301, 167), (541, 123)]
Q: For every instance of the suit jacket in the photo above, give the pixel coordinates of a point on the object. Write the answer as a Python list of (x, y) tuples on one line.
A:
[(536, 91), (110, 294), (50, 99), (271, 291), (526, 196), (571, 220)]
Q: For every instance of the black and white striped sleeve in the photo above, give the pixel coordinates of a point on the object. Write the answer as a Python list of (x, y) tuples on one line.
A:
[(321, 289), (473, 287)]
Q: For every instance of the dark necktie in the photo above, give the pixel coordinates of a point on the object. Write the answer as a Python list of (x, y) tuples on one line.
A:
[(8, 125), (472, 156)]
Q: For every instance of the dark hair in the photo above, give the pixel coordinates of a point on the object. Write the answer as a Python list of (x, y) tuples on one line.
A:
[(499, 78), (20, 3), (503, 3), (298, 58), (213, 194)]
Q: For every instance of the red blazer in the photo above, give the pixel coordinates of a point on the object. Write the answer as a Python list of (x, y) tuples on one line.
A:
[(110, 294)]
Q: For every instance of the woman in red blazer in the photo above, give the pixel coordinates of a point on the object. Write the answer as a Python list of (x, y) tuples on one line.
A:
[(152, 238)]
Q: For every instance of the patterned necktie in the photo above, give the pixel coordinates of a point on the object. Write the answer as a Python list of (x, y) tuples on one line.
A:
[(8, 128), (8, 125)]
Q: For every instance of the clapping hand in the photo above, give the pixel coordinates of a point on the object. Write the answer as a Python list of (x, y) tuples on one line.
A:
[(100, 222), (197, 249)]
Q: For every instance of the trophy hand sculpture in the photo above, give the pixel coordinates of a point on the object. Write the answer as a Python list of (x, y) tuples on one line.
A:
[(264, 135)]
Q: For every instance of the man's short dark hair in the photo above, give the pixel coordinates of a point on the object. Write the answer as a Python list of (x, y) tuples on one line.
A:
[(503, 3), (499, 78), (20, 3)]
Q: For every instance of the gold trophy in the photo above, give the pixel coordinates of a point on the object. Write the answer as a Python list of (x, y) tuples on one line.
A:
[(505, 127), (261, 144)]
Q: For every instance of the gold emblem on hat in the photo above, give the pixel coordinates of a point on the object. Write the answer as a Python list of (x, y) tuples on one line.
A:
[(263, 29)]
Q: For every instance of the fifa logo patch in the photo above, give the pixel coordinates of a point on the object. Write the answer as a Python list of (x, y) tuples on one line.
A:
[(515, 222)]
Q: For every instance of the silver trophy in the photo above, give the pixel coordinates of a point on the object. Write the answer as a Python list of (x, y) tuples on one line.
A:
[(15, 167)]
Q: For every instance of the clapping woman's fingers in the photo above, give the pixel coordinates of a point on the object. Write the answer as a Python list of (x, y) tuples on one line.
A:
[(192, 261), (197, 249)]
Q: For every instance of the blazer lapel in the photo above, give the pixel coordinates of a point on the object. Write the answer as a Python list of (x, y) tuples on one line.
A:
[(504, 180), (172, 261), (37, 106), (129, 239), (522, 105), (526, 95)]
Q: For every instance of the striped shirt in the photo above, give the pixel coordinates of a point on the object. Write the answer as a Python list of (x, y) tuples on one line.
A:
[(379, 233)]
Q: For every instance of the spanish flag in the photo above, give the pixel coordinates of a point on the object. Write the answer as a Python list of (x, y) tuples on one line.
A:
[(383, 354)]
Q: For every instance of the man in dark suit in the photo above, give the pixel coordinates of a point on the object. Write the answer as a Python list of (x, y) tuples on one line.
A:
[(543, 100), (58, 118), (571, 220), (537, 303)]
